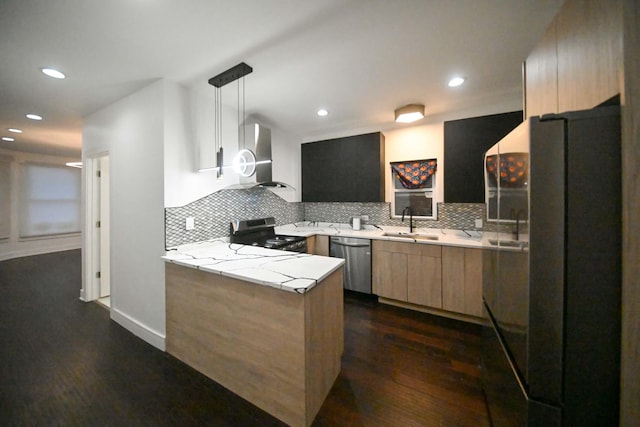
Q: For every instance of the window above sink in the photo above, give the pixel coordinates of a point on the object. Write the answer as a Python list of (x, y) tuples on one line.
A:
[(414, 186)]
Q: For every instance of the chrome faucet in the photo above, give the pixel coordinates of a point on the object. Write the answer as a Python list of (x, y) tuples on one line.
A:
[(410, 212)]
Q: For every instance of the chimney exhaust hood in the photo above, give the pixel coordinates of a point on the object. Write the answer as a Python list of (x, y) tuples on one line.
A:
[(253, 161)]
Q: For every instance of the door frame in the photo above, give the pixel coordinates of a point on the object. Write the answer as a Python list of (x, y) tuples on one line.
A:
[(91, 253)]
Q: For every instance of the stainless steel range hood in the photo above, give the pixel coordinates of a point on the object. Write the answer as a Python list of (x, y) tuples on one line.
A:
[(253, 162)]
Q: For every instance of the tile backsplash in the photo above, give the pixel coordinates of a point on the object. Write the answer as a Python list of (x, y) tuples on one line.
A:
[(450, 215), (212, 214)]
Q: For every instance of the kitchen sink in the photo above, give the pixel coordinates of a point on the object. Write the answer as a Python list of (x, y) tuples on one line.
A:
[(412, 236), (509, 243)]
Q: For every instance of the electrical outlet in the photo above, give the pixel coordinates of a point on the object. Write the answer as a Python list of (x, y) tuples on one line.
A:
[(478, 223), (190, 223)]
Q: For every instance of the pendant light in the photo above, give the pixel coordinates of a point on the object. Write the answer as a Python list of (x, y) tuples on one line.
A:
[(228, 76)]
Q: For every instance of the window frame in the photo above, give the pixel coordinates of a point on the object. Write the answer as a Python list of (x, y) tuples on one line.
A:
[(429, 192), (24, 202)]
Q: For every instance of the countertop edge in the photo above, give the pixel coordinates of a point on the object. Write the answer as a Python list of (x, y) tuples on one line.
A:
[(330, 265)]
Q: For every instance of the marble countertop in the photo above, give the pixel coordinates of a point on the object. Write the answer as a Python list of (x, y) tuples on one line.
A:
[(420, 235), (289, 271)]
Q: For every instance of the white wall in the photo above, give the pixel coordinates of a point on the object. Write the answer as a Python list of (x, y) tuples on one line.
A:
[(154, 138), (189, 132), (415, 143), (132, 132), (15, 247)]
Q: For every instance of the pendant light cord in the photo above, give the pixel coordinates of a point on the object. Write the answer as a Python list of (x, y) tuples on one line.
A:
[(241, 119)]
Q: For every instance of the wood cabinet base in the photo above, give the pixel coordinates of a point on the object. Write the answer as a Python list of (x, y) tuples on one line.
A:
[(279, 350), (435, 311)]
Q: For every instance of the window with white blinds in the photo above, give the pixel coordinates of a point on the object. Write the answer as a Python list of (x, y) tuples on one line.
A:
[(5, 197), (50, 200)]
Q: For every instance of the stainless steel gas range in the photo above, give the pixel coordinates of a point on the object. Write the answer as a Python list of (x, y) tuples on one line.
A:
[(261, 232)]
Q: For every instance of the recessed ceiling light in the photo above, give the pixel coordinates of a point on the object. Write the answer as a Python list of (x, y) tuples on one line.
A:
[(322, 112), (6, 138), (34, 117), (15, 130), (456, 81), (53, 73)]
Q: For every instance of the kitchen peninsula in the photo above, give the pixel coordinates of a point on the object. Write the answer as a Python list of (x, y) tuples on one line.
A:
[(266, 324)]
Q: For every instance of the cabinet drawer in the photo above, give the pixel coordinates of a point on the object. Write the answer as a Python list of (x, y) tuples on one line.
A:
[(421, 249)]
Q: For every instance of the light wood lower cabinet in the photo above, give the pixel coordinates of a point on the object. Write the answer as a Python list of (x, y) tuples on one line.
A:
[(462, 280), (279, 350), (389, 270), (425, 277), (407, 272), (318, 245), (432, 276)]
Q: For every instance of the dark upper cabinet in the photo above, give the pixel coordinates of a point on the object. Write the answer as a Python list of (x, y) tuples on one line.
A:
[(349, 169), (465, 142)]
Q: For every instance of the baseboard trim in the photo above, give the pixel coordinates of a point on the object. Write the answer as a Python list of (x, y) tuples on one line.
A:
[(37, 251), (138, 329)]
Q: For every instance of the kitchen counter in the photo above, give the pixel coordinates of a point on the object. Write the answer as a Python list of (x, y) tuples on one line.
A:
[(288, 271), (420, 235)]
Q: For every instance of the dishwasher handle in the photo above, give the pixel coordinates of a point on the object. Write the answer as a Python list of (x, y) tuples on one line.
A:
[(351, 245)]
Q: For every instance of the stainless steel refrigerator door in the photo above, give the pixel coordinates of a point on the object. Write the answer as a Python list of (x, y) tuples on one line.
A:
[(357, 255)]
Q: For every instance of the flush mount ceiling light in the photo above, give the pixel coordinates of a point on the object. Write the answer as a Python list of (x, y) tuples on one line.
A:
[(34, 117), (409, 113), (322, 112), (456, 81), (6, 138), (51, 72), (15, 130)]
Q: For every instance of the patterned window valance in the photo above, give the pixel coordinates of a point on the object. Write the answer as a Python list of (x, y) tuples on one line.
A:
[(513, 169), (414, 174)]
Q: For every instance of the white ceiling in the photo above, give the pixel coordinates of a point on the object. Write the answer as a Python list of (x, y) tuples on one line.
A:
[(360, 59)]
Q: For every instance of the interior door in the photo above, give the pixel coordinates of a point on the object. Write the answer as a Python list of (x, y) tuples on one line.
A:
[(105, 262)]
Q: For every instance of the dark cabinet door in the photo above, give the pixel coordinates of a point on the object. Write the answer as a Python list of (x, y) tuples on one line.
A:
[(465, 142), (349, 169)]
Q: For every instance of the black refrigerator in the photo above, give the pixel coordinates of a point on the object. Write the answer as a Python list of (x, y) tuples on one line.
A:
[(552, 272)]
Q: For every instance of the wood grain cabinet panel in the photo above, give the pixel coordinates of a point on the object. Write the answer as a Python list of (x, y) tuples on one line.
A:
[(424, 281), (424, 285), (279, 350), (407, 272), (311, 245), (578, 63), (430, 276), (462, 280), (321, 245), (389, 271), (541, 76), (589, 53)]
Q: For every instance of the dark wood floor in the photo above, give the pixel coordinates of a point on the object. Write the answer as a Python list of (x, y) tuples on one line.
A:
[(64, 362)]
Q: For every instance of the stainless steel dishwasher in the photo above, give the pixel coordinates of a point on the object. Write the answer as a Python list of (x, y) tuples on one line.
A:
[(357, 266)]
